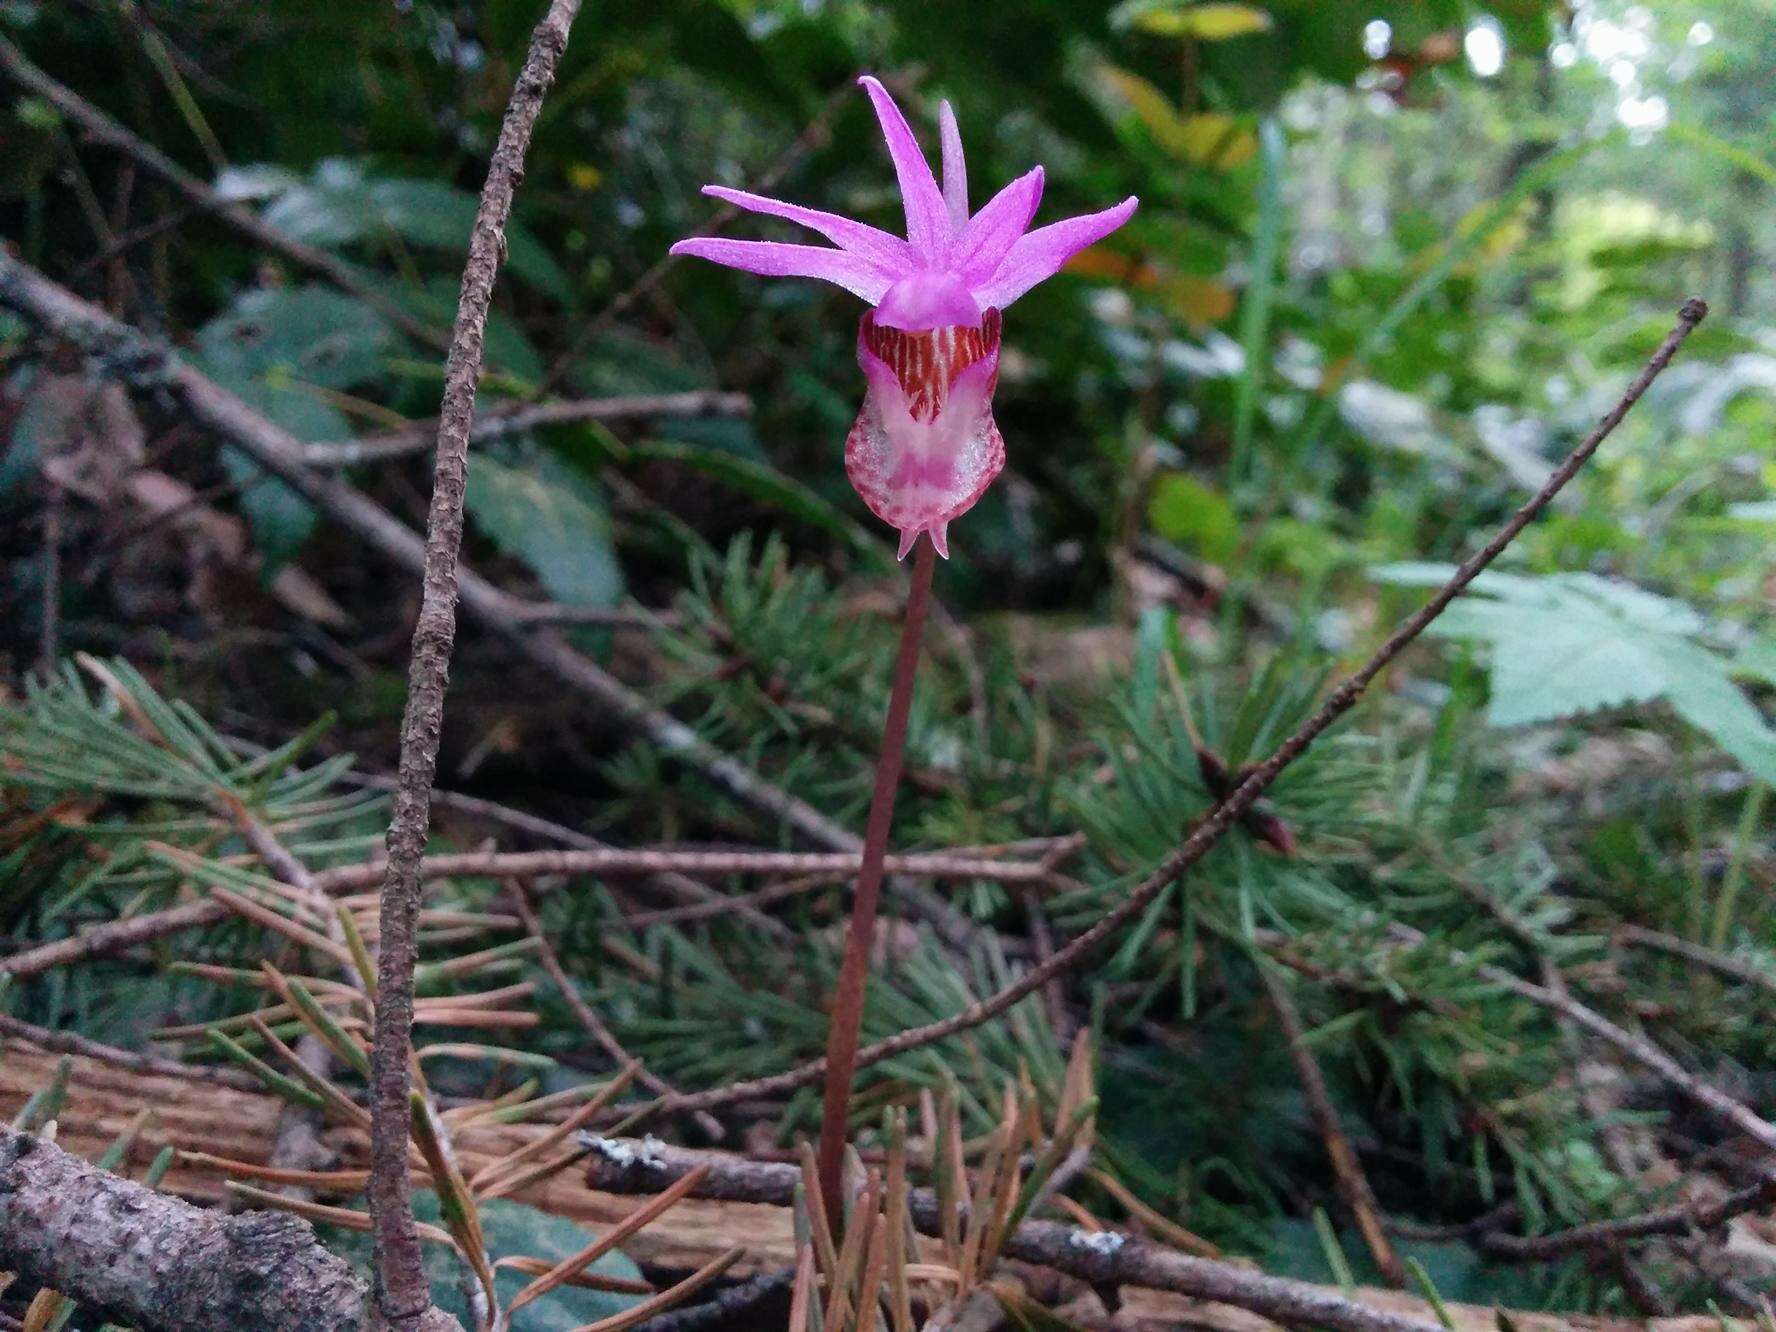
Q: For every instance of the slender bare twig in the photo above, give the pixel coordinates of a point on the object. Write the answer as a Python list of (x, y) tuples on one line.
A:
[(68, 1042), (667, 865), (1739, 968), (648, 860), (514, 420), (845, 1024), (595, 1026), (101, 128), (116, 937), (1347, 1170), (1228, 811), (403, 1293), (1732, 1113), (1680, 1220), (1103, 1258)]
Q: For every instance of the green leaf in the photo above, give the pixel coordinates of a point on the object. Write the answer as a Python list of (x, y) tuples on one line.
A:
[(1214, 22), (1569, 644), (1185, 511), (551, 517), (1757, 660), (283, 351), (312, 334), (342, 205)]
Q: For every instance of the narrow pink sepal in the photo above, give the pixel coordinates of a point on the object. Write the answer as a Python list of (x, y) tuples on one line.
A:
[(889, 253), (1041, 254), (991, 233), (928, 219), (955, 168), (908, 539), (776, 259)]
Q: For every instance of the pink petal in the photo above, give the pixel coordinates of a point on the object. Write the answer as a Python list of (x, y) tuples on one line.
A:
[(889, 253), (955, 168), (928, 220), (1039, 255), (992, 232), (775, 259)]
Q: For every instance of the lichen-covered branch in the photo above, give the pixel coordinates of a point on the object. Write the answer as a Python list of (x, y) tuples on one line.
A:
[(125, 1252)]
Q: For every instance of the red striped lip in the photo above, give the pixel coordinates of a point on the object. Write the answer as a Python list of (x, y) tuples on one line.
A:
[(927, 362)]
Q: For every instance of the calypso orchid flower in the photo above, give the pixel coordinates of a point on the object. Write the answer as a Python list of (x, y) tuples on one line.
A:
[(925, 446)]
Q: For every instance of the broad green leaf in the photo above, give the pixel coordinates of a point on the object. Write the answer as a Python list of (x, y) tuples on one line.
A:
[(1185, 511), (550, 516), (311, 333), (1569, 644), (284, 352), (1757, 659), (342, 205)]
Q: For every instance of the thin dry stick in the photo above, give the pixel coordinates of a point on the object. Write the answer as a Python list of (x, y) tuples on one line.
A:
[(846, 1023), (1681, 1220), (1104, 1258), (101, 128), (588, 1016), (1347, 1170), (1739, 968), (1227, 812), (1732, 1113), (652, 860), (67, 1042), (419, 437), (403, 1294)]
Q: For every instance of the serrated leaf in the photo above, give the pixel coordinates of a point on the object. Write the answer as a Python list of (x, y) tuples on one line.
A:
[(550, 516), (1569, 644)]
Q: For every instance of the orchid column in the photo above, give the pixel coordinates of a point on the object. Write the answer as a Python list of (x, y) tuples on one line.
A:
[(925, 446)]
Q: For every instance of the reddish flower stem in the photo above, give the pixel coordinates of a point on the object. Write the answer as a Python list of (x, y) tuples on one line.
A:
[(847, 1007)]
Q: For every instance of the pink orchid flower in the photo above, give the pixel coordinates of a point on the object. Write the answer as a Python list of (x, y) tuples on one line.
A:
[(925, 446)]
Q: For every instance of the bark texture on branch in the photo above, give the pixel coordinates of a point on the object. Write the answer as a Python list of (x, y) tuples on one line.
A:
[(130, 1254), (1100, 1258), (403, 1295)]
